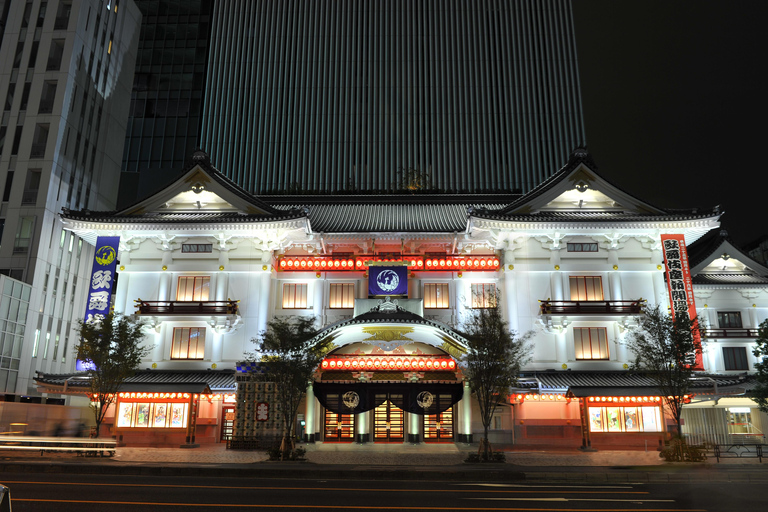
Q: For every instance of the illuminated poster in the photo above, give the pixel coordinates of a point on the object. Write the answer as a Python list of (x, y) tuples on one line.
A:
[(680, 286), (388, 280), (100, 284), (142, 415), (125, 415)]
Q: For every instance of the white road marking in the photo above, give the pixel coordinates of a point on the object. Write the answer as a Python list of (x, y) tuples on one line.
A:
[(553, 486), (572, 499)]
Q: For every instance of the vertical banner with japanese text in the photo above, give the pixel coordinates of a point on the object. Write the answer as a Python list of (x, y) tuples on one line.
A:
[(680, 285), (101, 281)]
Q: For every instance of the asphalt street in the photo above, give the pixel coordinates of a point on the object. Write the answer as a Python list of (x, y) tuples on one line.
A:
[(84, 493)]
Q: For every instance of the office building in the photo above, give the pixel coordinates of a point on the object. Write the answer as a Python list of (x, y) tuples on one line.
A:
[(67, 68)]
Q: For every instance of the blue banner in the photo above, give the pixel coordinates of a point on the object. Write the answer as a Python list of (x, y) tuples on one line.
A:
[(100, 283), (388, 280)]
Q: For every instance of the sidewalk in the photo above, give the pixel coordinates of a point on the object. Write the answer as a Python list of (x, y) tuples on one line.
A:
[(425, 462)]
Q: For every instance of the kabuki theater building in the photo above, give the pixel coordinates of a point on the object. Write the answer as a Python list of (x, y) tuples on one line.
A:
[(392, 278)]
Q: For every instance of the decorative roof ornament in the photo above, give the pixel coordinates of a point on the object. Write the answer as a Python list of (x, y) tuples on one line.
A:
[(387, 306)]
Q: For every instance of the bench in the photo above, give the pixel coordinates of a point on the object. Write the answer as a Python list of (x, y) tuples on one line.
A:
[(79, 445), (741, 451)]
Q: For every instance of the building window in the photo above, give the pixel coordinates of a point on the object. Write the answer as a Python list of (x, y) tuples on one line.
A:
[(483, 296), (294, 296), (735, 358), (586, 288), (342, 295), (47, 97), (582, 247), (31, 187), (188, 343), (624, 419), (436, 295), (39, 141), (591, 343), (24, 232), (729, 319), (55, 54), (193, 288), (195, 248)]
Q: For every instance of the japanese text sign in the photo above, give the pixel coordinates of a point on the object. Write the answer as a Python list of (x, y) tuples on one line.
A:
[(680, 285)]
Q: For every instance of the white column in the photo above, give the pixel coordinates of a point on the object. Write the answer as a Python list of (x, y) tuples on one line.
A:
[(266, 281), (309, 415), (121, 300), (362, 427), (222, 286), (659, 289), (465, 433), (164, 286), (218, 346), (621, 348), (615, 281), (318, 306), (561, 347), (158, 349), (414, 429), (556, 280), (510, 298)]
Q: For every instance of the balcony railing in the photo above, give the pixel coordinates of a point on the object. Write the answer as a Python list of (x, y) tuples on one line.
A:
[(177, 307), (730, 333), (591, 307)]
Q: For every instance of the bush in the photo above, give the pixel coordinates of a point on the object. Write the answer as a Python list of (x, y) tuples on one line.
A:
[(288, 454), (680, 451), (475, 458)]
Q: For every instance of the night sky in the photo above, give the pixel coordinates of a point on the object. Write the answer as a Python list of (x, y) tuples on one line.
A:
[(674, 96)]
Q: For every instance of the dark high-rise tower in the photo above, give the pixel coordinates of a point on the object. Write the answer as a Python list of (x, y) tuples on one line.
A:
[(453, 95)]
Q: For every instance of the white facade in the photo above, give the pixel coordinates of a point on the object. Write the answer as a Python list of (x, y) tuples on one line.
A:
[(66, 68)]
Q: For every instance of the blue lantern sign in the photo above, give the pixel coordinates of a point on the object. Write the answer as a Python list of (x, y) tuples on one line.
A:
[(101, 282)]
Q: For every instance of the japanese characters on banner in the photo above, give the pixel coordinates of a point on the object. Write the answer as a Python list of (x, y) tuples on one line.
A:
[(101, 281), (680, 285), (388, 280), (262, 411)]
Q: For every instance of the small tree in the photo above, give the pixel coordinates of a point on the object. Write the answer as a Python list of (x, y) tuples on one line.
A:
[(111, 349), (292, 354), (665, 351), (761, 366), (493, 361)]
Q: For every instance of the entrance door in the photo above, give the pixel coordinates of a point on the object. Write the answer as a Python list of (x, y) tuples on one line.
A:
[(227, 422), (339, 427), (388, 421), (439, 427)]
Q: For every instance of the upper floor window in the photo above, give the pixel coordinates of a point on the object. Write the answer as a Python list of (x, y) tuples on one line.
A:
[(55, 55), (294, 296), (591, 343), (196, 248), (729, 319), (188, 343), (582, 247), (192, 288), (735, 358), (436, 295), (484, 295), (342, 295), (586, 288)]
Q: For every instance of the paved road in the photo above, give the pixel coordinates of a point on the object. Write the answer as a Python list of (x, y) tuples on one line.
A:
[(85, 493)]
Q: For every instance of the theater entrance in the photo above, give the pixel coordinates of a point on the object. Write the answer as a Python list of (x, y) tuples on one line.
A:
[(439, 427), (389, 420)]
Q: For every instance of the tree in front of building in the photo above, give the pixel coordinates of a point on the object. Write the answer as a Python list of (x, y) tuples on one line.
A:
[(665, 351), (493, 360), (292, 352), (112, 350), (760, 351)]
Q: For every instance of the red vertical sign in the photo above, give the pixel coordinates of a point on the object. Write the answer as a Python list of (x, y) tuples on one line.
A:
[(680, 286)]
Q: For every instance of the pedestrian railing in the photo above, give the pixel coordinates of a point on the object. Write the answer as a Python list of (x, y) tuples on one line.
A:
[(77, 445)]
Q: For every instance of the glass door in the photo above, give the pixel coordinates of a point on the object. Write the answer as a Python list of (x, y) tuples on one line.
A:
[(227, 422), (339, 428), (389, 426), (439, 427)]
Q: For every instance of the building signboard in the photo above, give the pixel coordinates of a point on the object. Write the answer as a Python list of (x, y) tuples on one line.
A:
[(100, 284), (388, 280), (680, 285)]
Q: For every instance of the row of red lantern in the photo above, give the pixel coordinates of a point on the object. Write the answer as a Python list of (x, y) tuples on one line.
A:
[(627, 399), (157, 395), (552, 397), (394, 363), (414, 263)]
